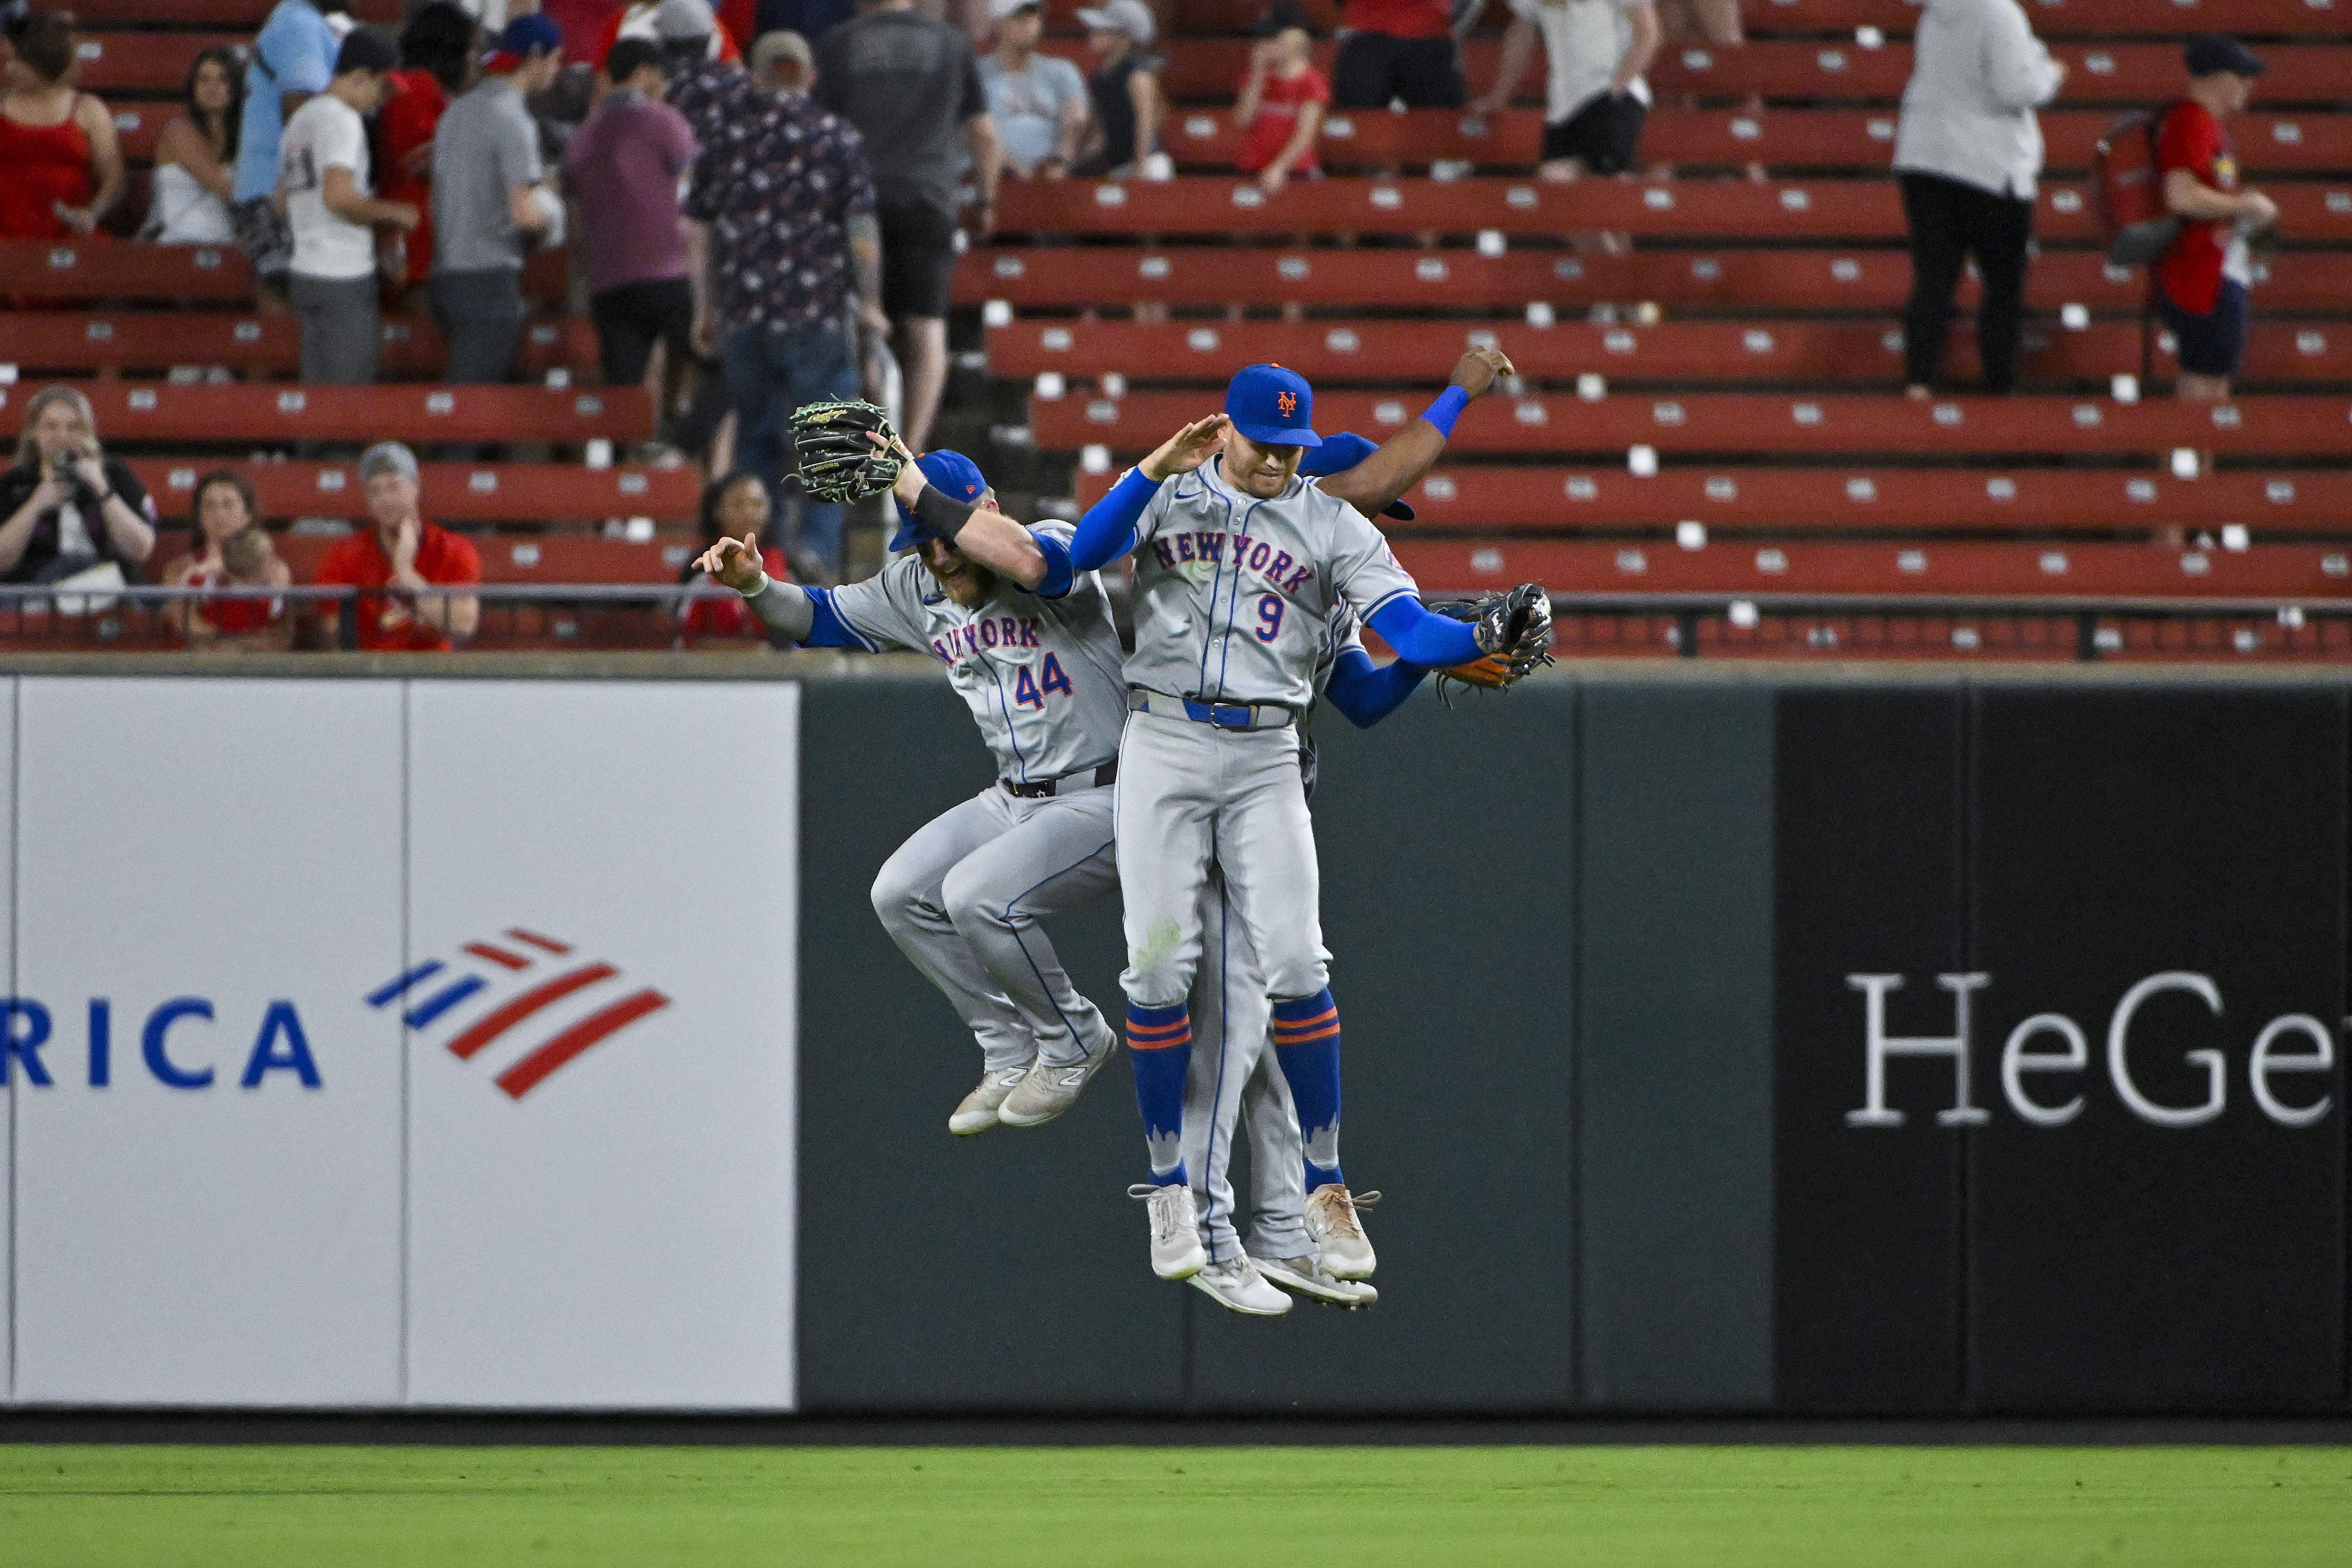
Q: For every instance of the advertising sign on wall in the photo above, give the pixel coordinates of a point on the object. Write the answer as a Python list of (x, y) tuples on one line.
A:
[(377, 1043)]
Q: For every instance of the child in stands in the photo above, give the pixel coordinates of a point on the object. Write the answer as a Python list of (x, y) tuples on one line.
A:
[(1282, 100)]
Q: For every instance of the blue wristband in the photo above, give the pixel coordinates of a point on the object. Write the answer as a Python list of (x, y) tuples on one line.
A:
[(1447, 409)]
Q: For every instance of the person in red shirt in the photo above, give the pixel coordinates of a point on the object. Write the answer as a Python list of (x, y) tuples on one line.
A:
[(436, 54), (733, 507), (229, 547), (408, 556), (2201, 281), (1282, 101), (1397, 50)]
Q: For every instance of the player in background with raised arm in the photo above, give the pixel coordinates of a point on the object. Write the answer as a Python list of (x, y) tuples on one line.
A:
[(1239, 565), (1030, 647)]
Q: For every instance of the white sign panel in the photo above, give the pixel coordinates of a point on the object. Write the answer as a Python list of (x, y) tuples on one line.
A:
[(599, 987), (15, 1025), (208, 1184)]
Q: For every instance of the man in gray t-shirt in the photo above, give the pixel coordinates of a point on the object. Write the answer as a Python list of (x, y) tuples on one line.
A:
[(491, 201), (909, 83)]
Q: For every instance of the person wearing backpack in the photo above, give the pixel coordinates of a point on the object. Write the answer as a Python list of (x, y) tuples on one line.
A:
[(1967, 156), (2201, 281)]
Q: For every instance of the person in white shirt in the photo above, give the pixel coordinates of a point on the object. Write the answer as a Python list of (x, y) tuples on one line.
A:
[(322, 185), (1595, 101), (1038, 102), (1967, 156)]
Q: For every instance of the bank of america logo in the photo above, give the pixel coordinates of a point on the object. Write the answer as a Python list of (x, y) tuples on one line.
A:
[(439, 989)]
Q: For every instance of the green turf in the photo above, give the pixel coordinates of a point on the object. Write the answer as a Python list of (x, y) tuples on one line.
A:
[(1187, 1508)]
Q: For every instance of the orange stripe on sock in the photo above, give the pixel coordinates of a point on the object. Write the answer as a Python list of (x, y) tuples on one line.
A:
[(1325, 1016), (1154, 1031), (1134, 1044), (1323, 1034)]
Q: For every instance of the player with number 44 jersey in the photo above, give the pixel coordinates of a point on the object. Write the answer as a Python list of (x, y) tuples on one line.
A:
[(1030, 647)]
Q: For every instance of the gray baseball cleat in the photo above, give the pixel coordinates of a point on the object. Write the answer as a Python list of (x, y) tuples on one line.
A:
[(1307, 1277), (1047, 1091), (977, 1111), (1338, 1233), (1238, 1287), (1176, 1249)]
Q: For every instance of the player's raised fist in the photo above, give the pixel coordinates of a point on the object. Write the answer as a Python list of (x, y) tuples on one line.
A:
[(734, 561), (1187, 449), (1479, 369)]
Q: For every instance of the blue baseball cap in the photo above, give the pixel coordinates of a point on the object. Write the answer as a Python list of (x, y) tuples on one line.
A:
[(1337, 454), (1272, 406), (527, 37), (951, 474)]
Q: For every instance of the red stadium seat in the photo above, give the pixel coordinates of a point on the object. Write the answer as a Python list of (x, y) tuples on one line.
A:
[(84, 270), (74, 341), (244, 17), (1730, 422), (2061, 18), (132, 413), (1725, 352), (453, 492), (145, 62), (1477, 497), (1815, 139), (1842, 210), (1970, 567), (1075, 278)]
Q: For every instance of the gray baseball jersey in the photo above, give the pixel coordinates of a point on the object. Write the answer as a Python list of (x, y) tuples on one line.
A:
[(1041, 676), (1233, 593)]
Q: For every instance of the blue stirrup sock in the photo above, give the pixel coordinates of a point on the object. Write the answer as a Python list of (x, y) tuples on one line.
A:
[(1307, 1044), (1160, 1044)]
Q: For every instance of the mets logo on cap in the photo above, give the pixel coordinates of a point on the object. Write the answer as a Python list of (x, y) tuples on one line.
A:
[(1273, 406)]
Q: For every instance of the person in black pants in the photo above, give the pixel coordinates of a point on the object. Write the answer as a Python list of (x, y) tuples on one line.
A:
[(1949, 222), (1968, 152)]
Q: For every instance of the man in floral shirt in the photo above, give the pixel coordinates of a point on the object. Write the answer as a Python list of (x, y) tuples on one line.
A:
[(791, 265)]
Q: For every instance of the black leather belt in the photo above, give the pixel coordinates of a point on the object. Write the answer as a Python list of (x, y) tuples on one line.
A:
[(1082, 779)]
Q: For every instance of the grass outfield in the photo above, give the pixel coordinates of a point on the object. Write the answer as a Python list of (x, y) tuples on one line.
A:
[(453, 1508)]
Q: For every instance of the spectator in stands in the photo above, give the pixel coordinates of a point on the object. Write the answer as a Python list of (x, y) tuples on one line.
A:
[(908, 84), (1123, 90), (1038, 102), (624, 165), (293, 58), (229, 547), (707, 85), (1282, 100), (491, 201), (1967, 156), (734, 507), (61, 167), (65, 505), (399, 560), (1397, 50), (715, 39), (324, 181), (788, 246), (436, 56), (782, 63), (195, 157), (1595, 99), (2201, 281)]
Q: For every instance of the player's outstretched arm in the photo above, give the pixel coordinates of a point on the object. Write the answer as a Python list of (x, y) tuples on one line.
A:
[(1368, 693), (982, 533), (1433, 642), (1107, 530), (805, 618), (1406, 455)]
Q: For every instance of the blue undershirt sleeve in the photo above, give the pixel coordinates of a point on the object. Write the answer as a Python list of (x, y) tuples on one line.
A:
[(830, 630), (1433, 642), (1368, 693), (1107, 530), (1059, 573)]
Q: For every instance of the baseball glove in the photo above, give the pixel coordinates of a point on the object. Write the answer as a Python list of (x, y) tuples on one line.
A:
[(837, 461), (1514, 629)]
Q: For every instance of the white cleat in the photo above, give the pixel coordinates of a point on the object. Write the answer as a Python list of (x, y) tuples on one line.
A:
[(1044, 1092), (1238, 1287), (977, 1111), (1307, 1277), (1338, 1233), (1176, 1249)]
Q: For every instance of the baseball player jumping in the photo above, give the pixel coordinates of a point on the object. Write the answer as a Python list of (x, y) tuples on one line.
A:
[(1240, 564), (1032, 649)]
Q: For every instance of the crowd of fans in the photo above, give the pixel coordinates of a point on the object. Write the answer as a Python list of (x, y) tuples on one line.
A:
[(763, 225)]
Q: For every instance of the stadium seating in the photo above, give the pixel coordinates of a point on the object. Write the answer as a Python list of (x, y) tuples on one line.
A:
[(131, 413), (69, 342), (455, 493), (85, 271)]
